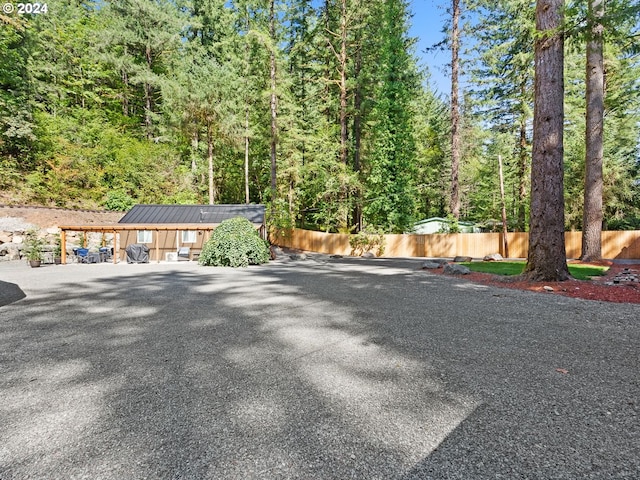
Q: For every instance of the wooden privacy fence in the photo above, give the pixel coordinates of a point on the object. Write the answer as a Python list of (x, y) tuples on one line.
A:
[(615, 245)]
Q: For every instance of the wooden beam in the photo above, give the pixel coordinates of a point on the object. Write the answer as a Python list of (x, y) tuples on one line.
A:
[(63, 247), (157, 240), (115, 242)]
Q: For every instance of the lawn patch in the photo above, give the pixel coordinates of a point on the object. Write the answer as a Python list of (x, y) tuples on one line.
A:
[(577, 271)]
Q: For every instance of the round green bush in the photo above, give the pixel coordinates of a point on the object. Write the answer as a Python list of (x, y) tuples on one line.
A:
[(235, 243)]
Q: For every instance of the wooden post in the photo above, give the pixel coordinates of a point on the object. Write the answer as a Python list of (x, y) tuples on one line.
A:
[(157, 246), (63, 247), (115, 242)]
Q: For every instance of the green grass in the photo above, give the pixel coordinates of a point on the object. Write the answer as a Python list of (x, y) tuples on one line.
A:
[(579, 272)]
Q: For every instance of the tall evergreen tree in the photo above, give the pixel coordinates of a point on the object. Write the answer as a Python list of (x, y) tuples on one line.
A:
[(390, 193), (594, 138), (547, 256), (454, 204), (503, 81)]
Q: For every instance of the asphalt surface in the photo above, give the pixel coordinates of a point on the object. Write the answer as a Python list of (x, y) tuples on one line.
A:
[(311, 369)]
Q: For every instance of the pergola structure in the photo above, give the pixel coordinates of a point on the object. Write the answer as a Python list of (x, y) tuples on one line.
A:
[(118, 229)]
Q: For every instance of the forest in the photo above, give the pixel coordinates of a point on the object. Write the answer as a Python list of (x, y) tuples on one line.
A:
[(319, 109)]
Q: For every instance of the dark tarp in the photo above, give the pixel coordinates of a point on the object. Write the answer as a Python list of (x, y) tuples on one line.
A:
[(137, 253)]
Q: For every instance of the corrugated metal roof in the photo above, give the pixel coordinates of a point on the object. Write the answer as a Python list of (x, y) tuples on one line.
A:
[(192, 214)]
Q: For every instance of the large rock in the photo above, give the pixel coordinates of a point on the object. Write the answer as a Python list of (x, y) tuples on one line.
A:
[(18, 239), (494, 257), (6, 237), (10, 251), (368, 255), (431, 265), (461, 259), (453, 269)]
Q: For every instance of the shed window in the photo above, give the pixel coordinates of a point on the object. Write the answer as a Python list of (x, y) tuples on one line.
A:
[(145, 236), (188, 236)]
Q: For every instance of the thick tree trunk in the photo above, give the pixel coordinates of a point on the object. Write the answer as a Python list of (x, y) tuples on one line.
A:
[(274, 98), (547, 256), (592, 215), (454, 204)]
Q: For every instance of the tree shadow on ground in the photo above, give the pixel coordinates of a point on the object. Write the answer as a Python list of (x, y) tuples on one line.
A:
[(9, 293), (305, 370)]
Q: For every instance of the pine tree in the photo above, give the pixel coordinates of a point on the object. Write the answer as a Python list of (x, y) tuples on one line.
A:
[(547, 258), (389, 188), (503, 81), (594, 140)]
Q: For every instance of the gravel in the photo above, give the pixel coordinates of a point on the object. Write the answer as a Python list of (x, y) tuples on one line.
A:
[(325, 368)]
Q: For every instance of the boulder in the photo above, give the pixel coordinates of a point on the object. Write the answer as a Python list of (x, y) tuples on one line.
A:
[(460, 259), (453, 269), (18, 239), (430, 265), (298, 256), (368, 255), (10, 251), (5, 237), (494, 257)]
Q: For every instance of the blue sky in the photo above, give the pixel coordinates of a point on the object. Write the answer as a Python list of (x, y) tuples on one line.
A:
[(428, 19)]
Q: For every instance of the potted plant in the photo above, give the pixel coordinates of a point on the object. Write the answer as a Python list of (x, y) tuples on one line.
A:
[(34, 248)]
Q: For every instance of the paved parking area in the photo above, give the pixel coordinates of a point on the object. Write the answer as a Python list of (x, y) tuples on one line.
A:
[(323, 369)]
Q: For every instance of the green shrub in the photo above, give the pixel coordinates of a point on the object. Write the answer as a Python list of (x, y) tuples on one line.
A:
[(235, 243), (367, 240)]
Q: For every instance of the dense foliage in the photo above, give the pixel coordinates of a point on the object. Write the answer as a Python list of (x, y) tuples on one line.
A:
[(108, 103), (235, 243)]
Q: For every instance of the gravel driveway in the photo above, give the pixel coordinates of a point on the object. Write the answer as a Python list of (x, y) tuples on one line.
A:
[(311, 369)]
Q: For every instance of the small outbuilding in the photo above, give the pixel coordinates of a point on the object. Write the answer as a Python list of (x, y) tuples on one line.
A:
[(442, 225), (170, 232)]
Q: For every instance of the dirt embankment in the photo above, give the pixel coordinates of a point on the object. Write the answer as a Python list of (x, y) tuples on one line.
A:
[(45, 217)]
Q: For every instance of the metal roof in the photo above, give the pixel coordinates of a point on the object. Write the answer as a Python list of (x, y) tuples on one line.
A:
[(192, 214)]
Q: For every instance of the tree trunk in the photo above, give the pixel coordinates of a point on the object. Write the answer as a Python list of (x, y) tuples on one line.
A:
[(212, 189), (246, 156), (274, 98), (523, 156), (357, 129), (195, 141), (343, 83), (148, 96), (547, 257), (505, 229), (592, 215), (454, 204)]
